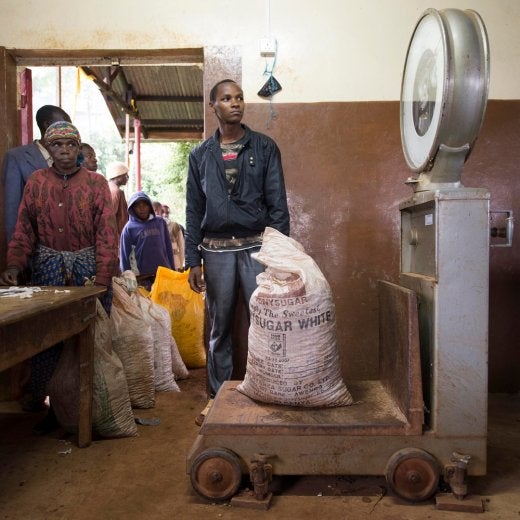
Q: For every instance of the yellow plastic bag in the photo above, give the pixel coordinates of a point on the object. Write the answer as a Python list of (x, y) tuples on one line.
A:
[(186, 308)]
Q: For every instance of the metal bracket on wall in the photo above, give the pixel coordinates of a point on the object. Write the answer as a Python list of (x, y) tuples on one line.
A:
[(501, 225)]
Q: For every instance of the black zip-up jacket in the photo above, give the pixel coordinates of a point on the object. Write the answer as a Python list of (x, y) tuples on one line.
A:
[(257, 200)]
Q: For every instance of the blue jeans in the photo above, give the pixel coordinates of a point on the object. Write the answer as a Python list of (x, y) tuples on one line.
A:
[(224, 273)]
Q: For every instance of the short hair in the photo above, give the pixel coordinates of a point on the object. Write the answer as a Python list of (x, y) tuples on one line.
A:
[(213, 91), (86, 145), (50, 114)]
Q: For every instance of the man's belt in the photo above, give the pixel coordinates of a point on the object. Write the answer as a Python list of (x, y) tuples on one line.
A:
[(220, 243)]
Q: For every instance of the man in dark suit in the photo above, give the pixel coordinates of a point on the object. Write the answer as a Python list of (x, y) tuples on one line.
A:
[(21, 161)]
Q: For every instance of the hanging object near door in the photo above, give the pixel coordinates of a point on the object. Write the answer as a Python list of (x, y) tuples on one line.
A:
[(271, 87)]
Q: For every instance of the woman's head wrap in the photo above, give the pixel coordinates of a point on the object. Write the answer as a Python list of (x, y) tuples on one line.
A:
[(61, 130)]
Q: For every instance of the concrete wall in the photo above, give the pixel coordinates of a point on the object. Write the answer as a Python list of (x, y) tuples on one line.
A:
[(334, 50)]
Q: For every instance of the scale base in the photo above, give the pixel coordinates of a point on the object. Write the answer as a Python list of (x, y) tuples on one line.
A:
[(469, 504), (248, 500)]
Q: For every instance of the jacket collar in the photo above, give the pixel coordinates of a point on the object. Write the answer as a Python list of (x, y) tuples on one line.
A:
[(215, 139)]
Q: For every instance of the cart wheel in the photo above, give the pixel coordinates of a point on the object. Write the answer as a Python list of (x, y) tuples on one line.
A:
[(216, 474), (413, 474)]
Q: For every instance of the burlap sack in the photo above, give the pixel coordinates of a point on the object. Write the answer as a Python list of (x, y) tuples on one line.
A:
[(159, 320), (132, 340), (112, 414), (179, 369)]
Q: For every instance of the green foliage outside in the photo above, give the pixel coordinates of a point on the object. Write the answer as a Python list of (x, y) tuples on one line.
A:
[(164, 167)]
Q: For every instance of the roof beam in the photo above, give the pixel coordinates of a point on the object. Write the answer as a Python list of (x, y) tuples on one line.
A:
[(99, 57), (172, 122), (171, 99), (181, 134), (106, 90)]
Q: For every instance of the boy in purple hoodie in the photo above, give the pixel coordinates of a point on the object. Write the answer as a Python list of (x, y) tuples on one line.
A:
[(147, 237)]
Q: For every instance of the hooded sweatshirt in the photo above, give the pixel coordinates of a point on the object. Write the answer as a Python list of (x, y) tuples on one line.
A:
[(150, 239)]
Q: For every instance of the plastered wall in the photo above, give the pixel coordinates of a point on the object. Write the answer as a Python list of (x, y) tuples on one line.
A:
[(334, 50), (345, 175), (337, 123)]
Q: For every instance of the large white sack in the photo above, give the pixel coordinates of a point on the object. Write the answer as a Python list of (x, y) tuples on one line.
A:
[(292, 350)]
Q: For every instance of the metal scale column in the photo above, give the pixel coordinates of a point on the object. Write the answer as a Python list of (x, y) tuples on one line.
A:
[(444, 225)]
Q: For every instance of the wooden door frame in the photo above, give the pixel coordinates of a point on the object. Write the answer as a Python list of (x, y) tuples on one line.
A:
[(8, 122)]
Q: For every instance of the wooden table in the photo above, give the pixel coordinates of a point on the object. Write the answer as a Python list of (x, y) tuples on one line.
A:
[(30, 325)]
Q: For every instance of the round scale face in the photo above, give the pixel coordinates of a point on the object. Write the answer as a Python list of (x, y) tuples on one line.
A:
[(423, 91)]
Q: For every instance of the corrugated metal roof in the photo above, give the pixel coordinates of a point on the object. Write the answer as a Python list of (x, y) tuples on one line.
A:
[(161, 87), (166, 98)]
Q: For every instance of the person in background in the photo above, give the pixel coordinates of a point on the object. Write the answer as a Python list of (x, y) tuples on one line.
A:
[(176, 232), (117, 175), (66, 226), (166, 211), (235, 188), (21, 161), (88, 157), (145, 236), (157, 208), (166, 215)]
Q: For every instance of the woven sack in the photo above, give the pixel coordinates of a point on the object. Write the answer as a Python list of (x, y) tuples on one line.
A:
[(292, 352)]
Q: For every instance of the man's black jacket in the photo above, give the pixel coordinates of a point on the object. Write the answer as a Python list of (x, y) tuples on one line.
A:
[(257, 200)]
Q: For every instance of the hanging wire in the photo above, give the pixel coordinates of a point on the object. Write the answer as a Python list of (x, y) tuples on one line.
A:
[(268, 17), (268, 71), (270, 66)]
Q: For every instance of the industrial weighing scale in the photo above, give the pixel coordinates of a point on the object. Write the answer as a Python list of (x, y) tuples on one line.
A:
[(426, 416)]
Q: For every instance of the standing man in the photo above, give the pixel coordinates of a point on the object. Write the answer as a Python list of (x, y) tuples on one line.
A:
[(235, 188), (21, 161), (117, 175)]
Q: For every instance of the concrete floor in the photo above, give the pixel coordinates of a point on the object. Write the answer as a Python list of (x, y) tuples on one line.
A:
[(145, 476)]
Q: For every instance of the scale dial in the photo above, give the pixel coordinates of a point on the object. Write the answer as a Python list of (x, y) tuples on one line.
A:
[(444, 86), (423, 90)]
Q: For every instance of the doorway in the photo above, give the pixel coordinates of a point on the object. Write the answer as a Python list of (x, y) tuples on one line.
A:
[(125, 98)]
